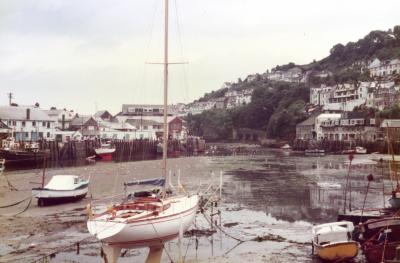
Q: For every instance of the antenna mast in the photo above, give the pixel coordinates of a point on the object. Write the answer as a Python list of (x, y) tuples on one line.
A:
[(10, 97)]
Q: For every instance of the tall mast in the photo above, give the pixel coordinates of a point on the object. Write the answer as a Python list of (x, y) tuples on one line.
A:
[(165, 134)]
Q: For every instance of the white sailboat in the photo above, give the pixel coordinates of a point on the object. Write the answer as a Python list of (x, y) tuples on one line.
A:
[(146, 220)]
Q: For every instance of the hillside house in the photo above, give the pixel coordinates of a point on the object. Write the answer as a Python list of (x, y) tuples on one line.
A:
[(145, 110), (352, 126), (306, 129), (379, 68)]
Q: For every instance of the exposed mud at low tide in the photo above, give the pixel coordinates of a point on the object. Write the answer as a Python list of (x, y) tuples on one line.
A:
[(270, 202)]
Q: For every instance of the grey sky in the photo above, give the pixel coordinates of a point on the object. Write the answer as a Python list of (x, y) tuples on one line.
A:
[(77, 54)]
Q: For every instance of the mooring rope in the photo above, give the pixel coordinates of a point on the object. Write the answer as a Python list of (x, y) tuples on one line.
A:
[(17, 203)]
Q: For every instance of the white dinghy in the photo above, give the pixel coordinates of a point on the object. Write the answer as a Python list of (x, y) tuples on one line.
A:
[(61, 188)]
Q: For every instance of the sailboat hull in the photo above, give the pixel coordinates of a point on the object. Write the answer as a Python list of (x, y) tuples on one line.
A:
[(147, 232)]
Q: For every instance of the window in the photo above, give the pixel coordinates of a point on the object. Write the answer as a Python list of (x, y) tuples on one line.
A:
[(48, 135), (40, 134), (48, 125), (14, 123), (23, 123), (26, 134), (34, 123), (44, 124)]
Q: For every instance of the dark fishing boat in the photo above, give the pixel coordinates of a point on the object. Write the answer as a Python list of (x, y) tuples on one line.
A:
[(373, 227), (14, 154), (375, 249)]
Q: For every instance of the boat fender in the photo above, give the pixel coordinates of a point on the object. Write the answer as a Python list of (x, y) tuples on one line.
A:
[(89, 211)]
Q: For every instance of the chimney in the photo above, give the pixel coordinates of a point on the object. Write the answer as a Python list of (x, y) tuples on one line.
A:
[(28, 114)]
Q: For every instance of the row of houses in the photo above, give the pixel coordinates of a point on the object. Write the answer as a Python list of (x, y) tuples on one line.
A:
[(384, 68), (30, 123), (346, 126), (344, 97), (231, 99)]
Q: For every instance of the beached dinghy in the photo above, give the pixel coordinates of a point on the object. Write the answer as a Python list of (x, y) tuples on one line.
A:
[(61, 188), (332, 241)]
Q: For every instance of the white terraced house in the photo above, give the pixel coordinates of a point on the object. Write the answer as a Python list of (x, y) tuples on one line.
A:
[(384, 68), (27, 123)]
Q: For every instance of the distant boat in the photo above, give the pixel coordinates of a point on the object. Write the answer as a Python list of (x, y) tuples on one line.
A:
[(394, 201), (361, 150), (15, 153), (105, 152), (332, 241), (314, 152), (286, 147), (61, 188)]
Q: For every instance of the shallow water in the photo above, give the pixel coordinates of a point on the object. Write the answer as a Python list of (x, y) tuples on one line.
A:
[(276, 195)]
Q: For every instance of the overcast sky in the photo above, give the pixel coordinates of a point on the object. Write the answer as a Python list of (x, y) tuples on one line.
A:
[(88, 54)]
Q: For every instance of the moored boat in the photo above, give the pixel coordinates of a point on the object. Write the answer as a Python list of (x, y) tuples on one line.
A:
[(61, 188), (380, 251), (145, 220), (105, 152), (314, 152), (150, 219), (361, 150), (332, 241), (394, 201), (286, 147), (372, 227)]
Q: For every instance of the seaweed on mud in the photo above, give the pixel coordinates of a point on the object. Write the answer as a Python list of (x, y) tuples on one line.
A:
[(199, 233), (231, 224), (269, 237)]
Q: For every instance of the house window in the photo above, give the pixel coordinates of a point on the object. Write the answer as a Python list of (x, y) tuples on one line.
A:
[(14, 123), (23, 123), (48, 134), (44, 124), (26, 134), (40, 134), (48, 125), (34, 123)]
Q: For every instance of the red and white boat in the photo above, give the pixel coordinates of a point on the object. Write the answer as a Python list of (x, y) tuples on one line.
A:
[(150, 219), (105, 152), (144, 221)]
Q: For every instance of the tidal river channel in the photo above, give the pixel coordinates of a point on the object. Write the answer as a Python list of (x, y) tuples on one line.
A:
[(270, 202)]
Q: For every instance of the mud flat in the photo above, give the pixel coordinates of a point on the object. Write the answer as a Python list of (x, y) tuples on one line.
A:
[(271, 201)]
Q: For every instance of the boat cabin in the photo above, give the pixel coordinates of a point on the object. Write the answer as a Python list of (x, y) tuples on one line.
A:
[(332, 233)]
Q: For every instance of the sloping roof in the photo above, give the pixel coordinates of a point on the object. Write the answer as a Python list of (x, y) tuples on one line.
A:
[(117, 125), (3, 126), (101, 112), (53, 112), (138, 122), (20, 113), (390, 124), (310, 121), (81, 120)]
